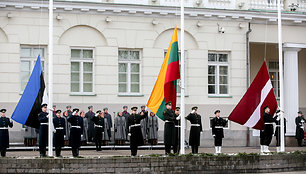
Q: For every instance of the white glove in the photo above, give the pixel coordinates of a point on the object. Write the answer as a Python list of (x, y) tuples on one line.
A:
[(64, 136), (178, 117), (214, 135), (129, 134), (201, 132), (81, 136), (192, 111), (73, 113), (96, 114), (54, 130)]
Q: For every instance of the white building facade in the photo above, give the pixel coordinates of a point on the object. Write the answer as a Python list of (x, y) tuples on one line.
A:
[(109, 53)]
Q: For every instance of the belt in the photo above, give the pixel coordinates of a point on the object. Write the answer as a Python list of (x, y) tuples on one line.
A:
[(3, 127), (268, 123), (195, 125), (98, 126), (177, 126), (44, 123), (167, 121), (135, 125), (277, 125), (79, 127), (219, 127), (59, 128)]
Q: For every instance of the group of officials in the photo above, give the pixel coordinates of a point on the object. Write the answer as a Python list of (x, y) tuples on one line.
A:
[(74, 127)]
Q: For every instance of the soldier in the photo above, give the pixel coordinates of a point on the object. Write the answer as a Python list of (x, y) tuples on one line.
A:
[(84, 137), (43, 130), (134, 128), (120, 129), (126, 114), (30, 136), (169, 131), (217, 125), (76, 131), (91, 126), (98, 121), (177, 123), (67, 128), (4, 134), (143, 123), (195, 130), (109, 123), (278, 133), (299, 133), (268, 129), (152, 129), (58, 137)]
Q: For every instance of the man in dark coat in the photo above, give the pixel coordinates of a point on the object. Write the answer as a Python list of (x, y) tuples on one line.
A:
[(195, 130), (299, 133), (98, 121), (169, 130), (277, 133), (268, 129), (134, 129), (58, 137), (43, 130), (76, 131), (177, 122), (144, 123), (126, 114), (217, 125), (4, 134), (109, 122), (91, 126)]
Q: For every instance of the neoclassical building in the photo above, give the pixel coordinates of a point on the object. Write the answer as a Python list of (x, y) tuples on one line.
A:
[(108, 53)]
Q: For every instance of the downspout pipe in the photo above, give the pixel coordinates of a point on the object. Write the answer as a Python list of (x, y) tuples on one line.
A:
[(248, 73)]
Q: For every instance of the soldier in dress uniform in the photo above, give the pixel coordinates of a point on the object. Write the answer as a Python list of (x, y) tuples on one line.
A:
[(134, 128), (109, 123), (268, 129), (169, 131), (91, 126), (58, 137), (143, 123), (217, 125), (76, 131), (98, 121), (5, 123), (277, 133), (299, 133), (120, 129), (152, 129), (84, 137), (126, 114), (43, 130), (195, 130), (30, 136), (67, 128), (177, 123)]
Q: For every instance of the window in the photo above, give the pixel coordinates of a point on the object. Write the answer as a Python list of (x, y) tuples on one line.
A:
[(274, 77), (129, 72), (28, 57), (81, 71), (225, 118), (218, 74)]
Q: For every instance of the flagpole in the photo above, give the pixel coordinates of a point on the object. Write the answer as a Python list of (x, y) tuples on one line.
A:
[(182, 146), (50, 103), (281, 77)]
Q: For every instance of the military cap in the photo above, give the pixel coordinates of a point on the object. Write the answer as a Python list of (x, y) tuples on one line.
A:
[(44, 105), (168, 103), (217, 111), (75, 110), (265, 107), (177, 108), (143, 106), (3, 110), (58, 111), (194, 108), (134, 108), (300, 112)]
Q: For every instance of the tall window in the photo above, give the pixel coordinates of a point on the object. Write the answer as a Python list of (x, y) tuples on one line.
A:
[(81, 71), (28, 57), (274, 76), (129, 72), (218, 74)]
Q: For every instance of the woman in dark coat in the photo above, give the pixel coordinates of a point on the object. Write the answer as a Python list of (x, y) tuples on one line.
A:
[(76, 131), (195, 130), (43, 130), (4, 134), (299, 133), (58, 137)]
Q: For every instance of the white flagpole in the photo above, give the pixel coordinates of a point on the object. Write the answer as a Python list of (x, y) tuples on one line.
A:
[(50, 85), (281, 77), (182, 146)]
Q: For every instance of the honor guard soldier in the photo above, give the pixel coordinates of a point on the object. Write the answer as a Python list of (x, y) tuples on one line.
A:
[(169, 131), (76, 131), (98, 121), (91, 126), (58, 137), (299, 133), (109, 125), (177, 130), (277, 133), (152, 129), (43, 130), (217, 125), (120, 129), (195, 130), (134, 128), (5, 123), (143, 123), (268, 129)]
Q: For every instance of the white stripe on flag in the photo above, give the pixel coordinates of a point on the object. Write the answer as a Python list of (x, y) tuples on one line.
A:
[(255, 117)]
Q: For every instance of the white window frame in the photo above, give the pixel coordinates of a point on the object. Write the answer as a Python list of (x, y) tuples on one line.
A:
[(276, 78), (81, 61), (32, 61), (226, 118), (129, 62), (217, 78)]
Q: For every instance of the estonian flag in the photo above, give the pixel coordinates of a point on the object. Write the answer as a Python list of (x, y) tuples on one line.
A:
[(34, 95)]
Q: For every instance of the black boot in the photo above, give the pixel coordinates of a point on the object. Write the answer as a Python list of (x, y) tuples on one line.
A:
[(58, 151), (3, 152)]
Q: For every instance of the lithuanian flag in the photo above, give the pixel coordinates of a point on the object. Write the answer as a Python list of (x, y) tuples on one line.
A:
[(166, 83)]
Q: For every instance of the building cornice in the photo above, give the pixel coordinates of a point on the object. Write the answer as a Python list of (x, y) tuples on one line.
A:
[(157, 11)]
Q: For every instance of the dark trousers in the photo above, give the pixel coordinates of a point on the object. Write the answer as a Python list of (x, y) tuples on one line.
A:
[(75, 152), (168, 149), (299, 142), (194, 149), (218, 141), (3, 152), (267, 140), (42, 151), (134, 150), (58, 151), (176, 148), (98, 145)]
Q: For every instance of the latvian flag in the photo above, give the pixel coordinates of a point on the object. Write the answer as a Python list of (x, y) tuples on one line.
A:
[(249, 110), (34, 95)]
